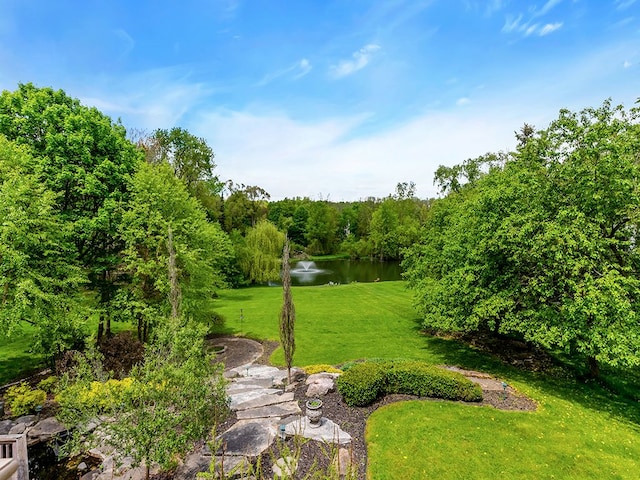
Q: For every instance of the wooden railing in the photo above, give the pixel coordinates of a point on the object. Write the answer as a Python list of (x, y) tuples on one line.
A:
[(14, 462)]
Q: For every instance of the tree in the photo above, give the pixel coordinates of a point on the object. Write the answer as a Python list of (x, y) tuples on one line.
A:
[(544, 246), (244, 207), (260, 253), (39, 280), (321, 228), (87, 161), (384, 231), (288, 313), (192, 161), (160, 203)]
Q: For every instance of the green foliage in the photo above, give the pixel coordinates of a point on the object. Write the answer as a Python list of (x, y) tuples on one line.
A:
[(38, 275), (287, 313), (260, 255), (160, 201), (362, 384), (22, 399), (170, 401), (48, 384), (542, 244), (419, 378), (365, 382)]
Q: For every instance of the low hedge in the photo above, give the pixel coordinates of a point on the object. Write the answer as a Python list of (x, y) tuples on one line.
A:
[(363, 383)]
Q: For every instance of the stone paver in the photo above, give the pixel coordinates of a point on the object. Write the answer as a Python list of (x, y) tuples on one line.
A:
[(277, 410), (328, 431)]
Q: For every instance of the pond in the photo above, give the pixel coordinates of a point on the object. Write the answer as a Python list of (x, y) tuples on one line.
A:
[(323, 272)]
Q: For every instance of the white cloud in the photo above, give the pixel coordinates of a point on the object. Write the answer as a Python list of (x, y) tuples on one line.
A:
[(626, 64), (512, 23), (125, 39), (359, 60), (623, 4), (547, 7), (299, 69), (463, 101), (549, 28)]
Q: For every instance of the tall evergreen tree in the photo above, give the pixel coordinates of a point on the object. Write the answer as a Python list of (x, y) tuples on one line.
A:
[(288, 313)]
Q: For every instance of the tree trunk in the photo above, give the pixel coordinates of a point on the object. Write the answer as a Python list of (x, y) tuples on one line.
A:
[(594, 367), (101, 327)]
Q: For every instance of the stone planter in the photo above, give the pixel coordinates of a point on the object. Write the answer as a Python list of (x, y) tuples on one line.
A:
[(314, 412)]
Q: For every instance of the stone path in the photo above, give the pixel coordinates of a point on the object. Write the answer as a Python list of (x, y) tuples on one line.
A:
[(265, 410)]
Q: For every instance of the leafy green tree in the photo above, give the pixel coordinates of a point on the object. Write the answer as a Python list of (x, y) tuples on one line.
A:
[(260, 253), (160, 202), (321, 228), (87, 161), (384, 231), (544, 246), (39, 280), (244, 207)]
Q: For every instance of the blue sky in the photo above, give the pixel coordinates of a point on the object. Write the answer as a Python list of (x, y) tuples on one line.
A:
[(338, 99)]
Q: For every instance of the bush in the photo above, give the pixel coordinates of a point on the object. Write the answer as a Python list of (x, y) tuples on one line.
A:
[(22, 399), (363, 383), (320, 368), (120, 353), (98, 397), (423, 380), (48, 384)]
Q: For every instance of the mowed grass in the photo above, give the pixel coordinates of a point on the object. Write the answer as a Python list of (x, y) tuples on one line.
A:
[(579, 431), (17, 358)]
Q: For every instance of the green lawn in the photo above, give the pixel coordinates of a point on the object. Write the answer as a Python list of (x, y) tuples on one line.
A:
[(17, 360), (579, 431)]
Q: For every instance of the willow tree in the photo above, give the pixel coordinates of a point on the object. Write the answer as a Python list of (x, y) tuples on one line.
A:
[(288, 312)]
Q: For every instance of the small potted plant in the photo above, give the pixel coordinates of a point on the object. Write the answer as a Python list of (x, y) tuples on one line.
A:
[(314, 412)]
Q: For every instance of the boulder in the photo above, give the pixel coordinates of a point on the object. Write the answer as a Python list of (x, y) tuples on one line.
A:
[(320, 384), (45, 430), (5, 426)]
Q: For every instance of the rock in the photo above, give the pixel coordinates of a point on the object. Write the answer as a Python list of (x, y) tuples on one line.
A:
[(264, 400), (29, 420), (18, 429), (194, 463), (284, 467), (320, 384), (92, 475), (5, 426), (279, 410), (328, 431), (82, 466), (45, 430), (249, 438), (342, 462)]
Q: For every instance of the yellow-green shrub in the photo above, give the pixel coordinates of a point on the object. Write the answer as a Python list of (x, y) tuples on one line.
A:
[(48, 384), (22, 399), (320, 368), (97, 395)]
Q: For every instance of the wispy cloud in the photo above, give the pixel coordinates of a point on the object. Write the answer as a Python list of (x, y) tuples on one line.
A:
[(358, 61), (516, 24), (125, 39), (550, 28), (626, 64), (463, 101), (623, 4), (297, 70), (487, 8), (547, 7)]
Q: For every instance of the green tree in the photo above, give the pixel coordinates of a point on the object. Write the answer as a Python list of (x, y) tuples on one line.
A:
[(260, 253), (544, 246), (160, 203), (321, 228), (87, 161), (384, 231), (39, 280)]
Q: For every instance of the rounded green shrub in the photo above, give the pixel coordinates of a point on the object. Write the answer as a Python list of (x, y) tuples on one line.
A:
[(362, 383), (22, 399)]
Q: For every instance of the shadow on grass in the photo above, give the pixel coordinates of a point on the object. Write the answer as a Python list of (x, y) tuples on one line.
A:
[(566, 385), (15, 368)]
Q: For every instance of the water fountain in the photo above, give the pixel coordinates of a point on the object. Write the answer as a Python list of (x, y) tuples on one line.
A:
[(306, 271)]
